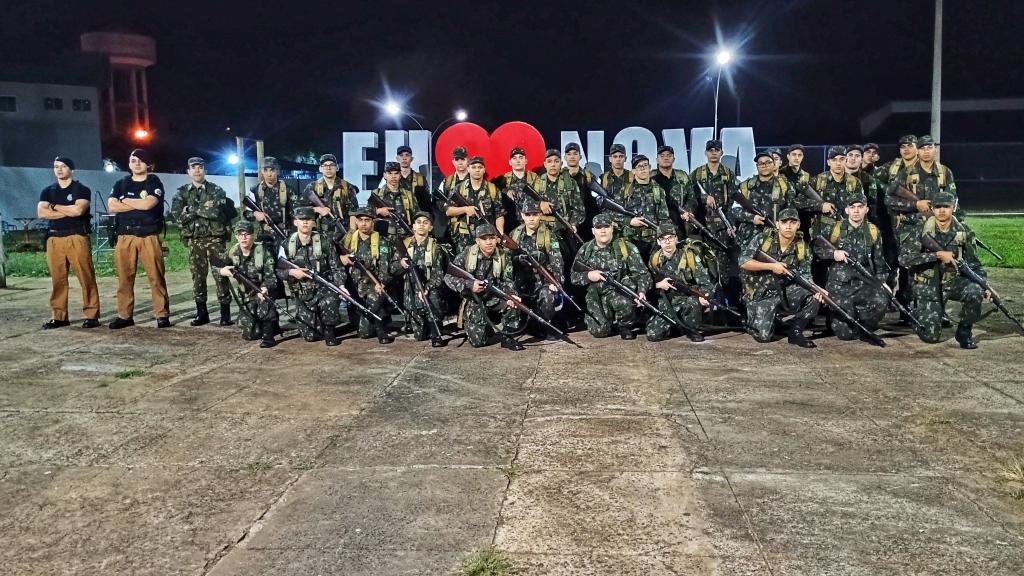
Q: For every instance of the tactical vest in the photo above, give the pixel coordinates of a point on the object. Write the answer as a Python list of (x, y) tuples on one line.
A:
[(940, 175), (497, 264), (780, 187), (282, 195), (407, 200), (339, 196), (823, 179), (462, 226), (866, 228), (606, 177), (621, 243), (692, 250), (543, 236), (293, 247), (352, 243), (769, 241), (656, 188), (259, 255), (428, 254), (561, 189), (930, 227), (449, 181)]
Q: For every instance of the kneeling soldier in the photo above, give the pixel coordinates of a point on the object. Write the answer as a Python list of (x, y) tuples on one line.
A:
[(678, 268), (318, 310), (424, 256), (371, 273), (535, 238), (257, 315)]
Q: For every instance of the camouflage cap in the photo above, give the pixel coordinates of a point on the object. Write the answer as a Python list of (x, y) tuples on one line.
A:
[(305, 213), (789, 214), (667, 229), (857, 199), (459, 153), (638, 158), (529, 206), (244, 226), (617, 149), (713, 145), (196, 161), (516, 152), (485, 229), (925, 140), (775, 152), (552, 152), (793, 147), (476, 160), (666, 148), (763, 154), (328, 158), (403, 149), (602, 220), (392, 167), (270, 162), (908, 139), (572, 146), (836, 151), (364, 211), (944, 199), (871, 146), (853, 147), (423, 214)]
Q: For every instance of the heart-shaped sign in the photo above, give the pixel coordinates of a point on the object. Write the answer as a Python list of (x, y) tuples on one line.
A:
[(494, 148)]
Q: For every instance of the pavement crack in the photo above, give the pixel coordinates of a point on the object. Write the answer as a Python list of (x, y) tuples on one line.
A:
[(981, 509)]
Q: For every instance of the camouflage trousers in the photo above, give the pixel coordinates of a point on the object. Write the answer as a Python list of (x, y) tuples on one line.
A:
[(762, 313), (475, 320), (315, 307), (252, 314), (418, 319), (199, 252), (541, 299), (608, 308), (685, 308), (928, 306), (367, 292), (863, 301)]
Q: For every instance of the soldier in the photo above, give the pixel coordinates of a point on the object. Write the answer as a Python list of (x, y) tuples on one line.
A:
[(318, 310), (715, 183), (137, 200), (797, 176), (776, 160), (431, 260), (675, 268), (339, 197), (275, 199), (680, 194), (890, 244), (460, 160), (490, 263), (607, 308), (201, 209), (872, 189), (582, 177), (257, 315), (411, 179), (647, 199), (374, 251), (871, 159), (402, 199), (485, 205), (768, 293), (769, 193), (614, 179), (65, 206), (835, 187), (512, 182), (536, 237), (908, 157), (856, 240), (935, 276), (559, 193)]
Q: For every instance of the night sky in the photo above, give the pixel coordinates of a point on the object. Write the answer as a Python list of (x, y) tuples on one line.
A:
[(807, 72)]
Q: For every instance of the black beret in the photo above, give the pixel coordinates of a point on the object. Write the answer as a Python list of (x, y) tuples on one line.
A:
[(66, 161), (142, 155)]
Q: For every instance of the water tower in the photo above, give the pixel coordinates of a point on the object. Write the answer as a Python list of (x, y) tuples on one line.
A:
[(125, 100)]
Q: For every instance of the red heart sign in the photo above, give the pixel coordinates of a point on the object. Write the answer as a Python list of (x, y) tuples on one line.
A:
[(494, 148)]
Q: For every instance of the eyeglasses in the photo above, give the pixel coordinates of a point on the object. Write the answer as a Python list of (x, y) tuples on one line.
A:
[(243, 233), (329, 165), (766, 163)]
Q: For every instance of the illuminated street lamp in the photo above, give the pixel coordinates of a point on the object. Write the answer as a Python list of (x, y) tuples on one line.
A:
[(723, 57)]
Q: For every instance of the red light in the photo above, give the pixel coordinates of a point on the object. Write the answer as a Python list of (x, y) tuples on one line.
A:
[(141, 134)]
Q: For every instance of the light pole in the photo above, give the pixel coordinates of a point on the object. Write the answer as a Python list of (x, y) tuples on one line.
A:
[(722, 58)]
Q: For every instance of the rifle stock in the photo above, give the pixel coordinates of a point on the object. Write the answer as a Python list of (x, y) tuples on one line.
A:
[(745, 203), (529, 191), (625, 290), (285, 263), (511, 244)]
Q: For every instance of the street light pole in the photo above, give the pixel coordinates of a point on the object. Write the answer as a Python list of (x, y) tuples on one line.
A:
[(937, 75), (723, 57)]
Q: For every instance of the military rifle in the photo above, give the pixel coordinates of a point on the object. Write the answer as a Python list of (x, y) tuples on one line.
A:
[(250, 203), (242, 279), (529, 191), (747, 205), (716, 304), (579, 266), (905, 193), (729, 228), (511, 244), (285, 264), (813, 194), (604, 200)]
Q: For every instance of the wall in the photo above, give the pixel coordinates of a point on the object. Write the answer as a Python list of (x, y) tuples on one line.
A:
[(33, 135)]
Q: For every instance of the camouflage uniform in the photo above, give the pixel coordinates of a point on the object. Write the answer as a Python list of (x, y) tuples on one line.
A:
[(511, 188), (850, 290), (277, 205), (342, 199), (544, 247), (646, 200), (835, 192), (564, 196), (404, 203), (798, 177), (461, 228), (201, 212), (417, 184), (432, 260), (616, 188), (317, 308), (936, 283), (771, 196), (925, 186), (766, 294), (255, 317), (681, 195), (606, 306), (496, 269), (684, 268), (582, 178), (720, 185), (377, 260)]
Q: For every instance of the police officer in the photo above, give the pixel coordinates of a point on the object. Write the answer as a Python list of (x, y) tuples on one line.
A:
[(257, 315), (201, 208), (137, 200), (65, 206)]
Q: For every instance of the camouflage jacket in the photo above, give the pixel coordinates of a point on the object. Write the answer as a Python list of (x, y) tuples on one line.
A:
[(485, 198), (496, 269), (620, 259), (342, 199), (616, 185), (863, 244), (258, 266), (201, 211), (765, 284), (925, 185), (373, 251), (770, 196), (319, 255), (835, 192), (797, 177), (684, 267), (681, 193), (925, 268), (719, 185), (276, 202), (402, 200), (543, 246), (646, 200), (564, 196), (429, 257)]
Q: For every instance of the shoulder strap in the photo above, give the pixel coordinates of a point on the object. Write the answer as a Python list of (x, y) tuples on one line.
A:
[(292, 245), (873, 232), (837, 230), (623, 250)]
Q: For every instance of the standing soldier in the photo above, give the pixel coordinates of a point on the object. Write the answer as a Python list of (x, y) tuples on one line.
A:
[(512, 182), (872, 189), (490, 263), (339, 197), (559, 193), (935, 276), (257, 315), (275, 199), (768, 193), (137, 200), (835, 187), (908, 157), (858, 241), (797, 176), (607, 308), (871, 159), (412, 180), (373, 251), (777, 160), (401, 199), (431, 261), (882, 218), (768, 293), (65, 206), (674, 269), (460, 161), (201, 209), (615, 179), (645, 198), (681, 196), (318, 310), (484, 205), (535, 237), (582, 177), (715, 183)]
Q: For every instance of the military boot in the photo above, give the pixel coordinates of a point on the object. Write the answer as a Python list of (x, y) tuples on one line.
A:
[(225, 314), (382, 334), (964, 337), (267, 338), (796, 337), (202, 315), (330, 338), (510, 343)]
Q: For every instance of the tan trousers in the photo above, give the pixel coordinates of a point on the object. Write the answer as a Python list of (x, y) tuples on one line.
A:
[(129, 252), (74, 252)]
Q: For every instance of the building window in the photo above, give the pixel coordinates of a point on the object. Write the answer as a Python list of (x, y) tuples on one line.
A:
[(8, 104), (81, 105), (53, 103)]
